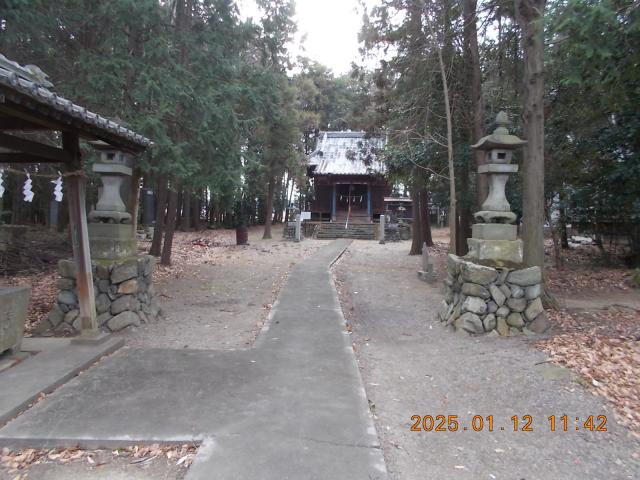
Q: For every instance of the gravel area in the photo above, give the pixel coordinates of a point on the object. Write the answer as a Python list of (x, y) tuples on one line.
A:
[(412, 365)]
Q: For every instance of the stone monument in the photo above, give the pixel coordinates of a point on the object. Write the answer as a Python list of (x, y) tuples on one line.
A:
[(381, 228), (298, 231), (490, 290), (427, 273), (124, 294)]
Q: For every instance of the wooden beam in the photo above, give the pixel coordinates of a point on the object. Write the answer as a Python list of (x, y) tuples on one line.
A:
[(46, 152), (23, 158), (86, 130), (17, 112), (20, 124), (80, 237)]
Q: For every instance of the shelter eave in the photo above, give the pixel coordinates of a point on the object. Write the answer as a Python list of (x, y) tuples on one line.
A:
[(26, 106)]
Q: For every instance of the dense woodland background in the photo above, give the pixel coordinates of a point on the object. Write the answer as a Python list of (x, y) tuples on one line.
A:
[(232, 114)]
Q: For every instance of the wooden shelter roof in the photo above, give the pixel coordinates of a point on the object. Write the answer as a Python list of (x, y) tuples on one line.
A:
[(27, 104)]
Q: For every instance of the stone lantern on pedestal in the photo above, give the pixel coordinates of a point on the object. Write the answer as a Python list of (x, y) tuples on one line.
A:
[(123, 286), (489, 291), (494, 236), (110, 230)]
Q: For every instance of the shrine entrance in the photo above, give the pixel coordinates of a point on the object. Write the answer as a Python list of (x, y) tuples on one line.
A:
[(353, 201)]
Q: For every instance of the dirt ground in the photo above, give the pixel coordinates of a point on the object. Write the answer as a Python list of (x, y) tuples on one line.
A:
[(412, 365), (217, 295)]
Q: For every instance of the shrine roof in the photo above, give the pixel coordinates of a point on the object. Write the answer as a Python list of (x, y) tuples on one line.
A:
[(347, 153)]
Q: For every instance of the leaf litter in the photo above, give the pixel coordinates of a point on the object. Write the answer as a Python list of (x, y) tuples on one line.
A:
[(601, 344), (19, 461)]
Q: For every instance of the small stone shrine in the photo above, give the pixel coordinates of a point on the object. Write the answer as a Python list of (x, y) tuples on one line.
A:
[(122, 280), (489, 291)]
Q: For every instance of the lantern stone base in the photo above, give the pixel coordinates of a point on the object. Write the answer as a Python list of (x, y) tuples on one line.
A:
[(500, 252), (111, 241), (494, 231), (109, 216), (124, 296), (486, 300), (14, 302)]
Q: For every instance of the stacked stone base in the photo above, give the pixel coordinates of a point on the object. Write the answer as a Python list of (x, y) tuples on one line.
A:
[(487, 300), (123, 291)]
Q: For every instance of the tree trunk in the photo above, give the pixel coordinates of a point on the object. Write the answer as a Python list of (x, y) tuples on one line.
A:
[(290, 195), (557, 250), (161, 207), (452, 176), (464, 209), (213, 211), (269, 206), (283, 210), (63, 215), (16, 201), (134, 198), (564, 235), (425, 224), (179, 209), (416, 225), (475, 83), (170, 227), (286, 200), (185, 221), (529, 15), (196, 206)]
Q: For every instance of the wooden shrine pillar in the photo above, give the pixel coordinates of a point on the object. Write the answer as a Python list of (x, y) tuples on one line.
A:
[(334, 200), (80, 238)]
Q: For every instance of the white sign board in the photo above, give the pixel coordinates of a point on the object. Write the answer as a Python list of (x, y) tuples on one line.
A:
[(305, 216)]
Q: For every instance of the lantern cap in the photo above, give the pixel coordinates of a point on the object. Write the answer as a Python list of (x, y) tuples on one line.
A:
[(500, 138)]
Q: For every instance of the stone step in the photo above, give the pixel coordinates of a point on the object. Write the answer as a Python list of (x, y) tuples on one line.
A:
[(338, 230)]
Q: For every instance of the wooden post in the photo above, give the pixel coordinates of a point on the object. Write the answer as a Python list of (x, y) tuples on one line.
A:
[(333, 203), (80, 238), (134, 199)]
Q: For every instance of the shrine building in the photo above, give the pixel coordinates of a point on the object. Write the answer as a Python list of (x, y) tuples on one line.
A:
[(347, 178)]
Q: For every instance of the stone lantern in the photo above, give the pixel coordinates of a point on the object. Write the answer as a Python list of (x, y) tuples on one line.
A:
[(122, 279), (494, 236), (110, 230), (489, 291), (113, 166)]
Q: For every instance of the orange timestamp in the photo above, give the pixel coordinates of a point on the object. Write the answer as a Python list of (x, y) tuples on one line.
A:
[(517, 423)]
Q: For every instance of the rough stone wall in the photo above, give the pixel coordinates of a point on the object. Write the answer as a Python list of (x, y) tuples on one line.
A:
[(124, 296), (498, 301)]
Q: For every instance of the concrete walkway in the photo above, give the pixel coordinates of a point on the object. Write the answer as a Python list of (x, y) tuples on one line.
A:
[(294, 407), (50, 363)]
